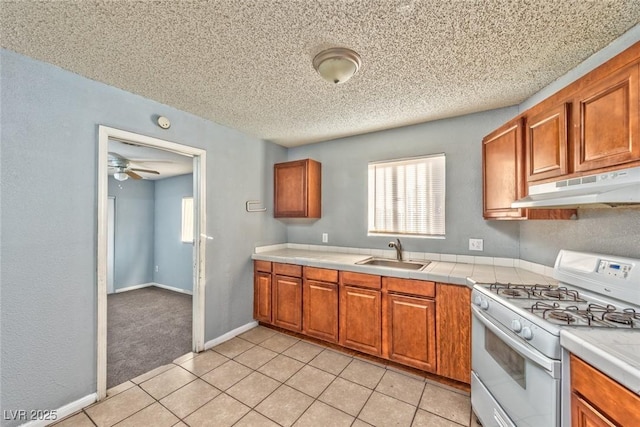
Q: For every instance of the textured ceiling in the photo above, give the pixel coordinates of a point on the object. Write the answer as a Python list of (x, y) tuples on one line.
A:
[(247, 64), (168, 164)]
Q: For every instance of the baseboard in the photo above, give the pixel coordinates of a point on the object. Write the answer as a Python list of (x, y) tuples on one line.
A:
[(131, 288), (65, 411), (171, 288), (158, 285), (231, 334)]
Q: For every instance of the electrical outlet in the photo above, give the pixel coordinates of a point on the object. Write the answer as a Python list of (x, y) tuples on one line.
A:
[(156, 268), (475, 244), (325, 237)]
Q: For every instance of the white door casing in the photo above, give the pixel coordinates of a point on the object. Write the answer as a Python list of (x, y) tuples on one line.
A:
[(199, 201)]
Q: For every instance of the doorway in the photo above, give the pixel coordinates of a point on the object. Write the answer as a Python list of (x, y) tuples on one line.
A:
[(105, 134)]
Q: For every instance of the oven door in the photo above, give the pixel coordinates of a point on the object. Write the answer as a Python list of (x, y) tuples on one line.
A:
[(524, 383)]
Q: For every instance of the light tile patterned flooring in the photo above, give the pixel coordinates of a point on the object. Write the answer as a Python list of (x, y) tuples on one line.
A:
[(266, 378)]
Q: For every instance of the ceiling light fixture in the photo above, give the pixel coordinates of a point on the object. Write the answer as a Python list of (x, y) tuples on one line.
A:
[(337, 65), (121, 176)]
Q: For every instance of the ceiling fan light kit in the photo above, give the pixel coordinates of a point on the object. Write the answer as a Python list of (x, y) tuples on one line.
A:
[(122, 170), (337, 64), (121, 176)]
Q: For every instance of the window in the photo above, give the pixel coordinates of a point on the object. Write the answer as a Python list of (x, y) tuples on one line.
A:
[(187, 219), (407, 197)]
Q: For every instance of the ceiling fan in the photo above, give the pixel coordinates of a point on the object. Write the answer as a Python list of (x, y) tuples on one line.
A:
[(122, 170)]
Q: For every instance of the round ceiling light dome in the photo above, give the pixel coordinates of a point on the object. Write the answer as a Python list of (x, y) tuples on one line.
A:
[(337, 65)]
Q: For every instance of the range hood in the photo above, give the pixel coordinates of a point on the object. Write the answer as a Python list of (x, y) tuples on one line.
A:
[(609, 189)]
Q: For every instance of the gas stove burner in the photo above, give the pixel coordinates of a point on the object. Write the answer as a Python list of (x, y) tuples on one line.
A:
[(512, 292), (620, 318), (560, 294), (561, 316)]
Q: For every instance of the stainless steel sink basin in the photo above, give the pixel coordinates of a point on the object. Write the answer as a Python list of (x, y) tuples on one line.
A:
[(392, 263)]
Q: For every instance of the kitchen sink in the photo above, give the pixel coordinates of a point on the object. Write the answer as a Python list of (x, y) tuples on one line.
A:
[(392, 263)]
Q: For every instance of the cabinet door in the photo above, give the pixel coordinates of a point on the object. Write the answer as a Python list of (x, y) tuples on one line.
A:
[(547, 144), (453, 319), (287, 302), (320, 310), (410, 331), (262, 297), (502, 171), (607, 116), (297, 189), (585, 415), (360, 319)]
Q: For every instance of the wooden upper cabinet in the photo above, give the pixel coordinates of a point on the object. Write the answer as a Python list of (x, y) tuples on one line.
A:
[(606, 122), (502, 171), (547, 143), (297, 189)]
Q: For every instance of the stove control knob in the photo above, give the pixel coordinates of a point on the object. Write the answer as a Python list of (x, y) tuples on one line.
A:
[(516, 325), (484, 304), (478, 300), (527, 333)]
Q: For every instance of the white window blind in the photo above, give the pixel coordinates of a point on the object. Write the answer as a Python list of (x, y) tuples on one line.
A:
[(408, 197), (187, 219)]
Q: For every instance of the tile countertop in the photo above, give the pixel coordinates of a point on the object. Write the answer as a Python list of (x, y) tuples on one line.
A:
[(454, 272), (616, 353)]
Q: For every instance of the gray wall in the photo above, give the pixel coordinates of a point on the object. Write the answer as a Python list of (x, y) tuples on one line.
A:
[(614, 231), (344, 185), (48, 181), (173, 258), (134, 231)]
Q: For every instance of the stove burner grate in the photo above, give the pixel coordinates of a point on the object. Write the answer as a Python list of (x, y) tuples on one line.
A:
[(561, 316)]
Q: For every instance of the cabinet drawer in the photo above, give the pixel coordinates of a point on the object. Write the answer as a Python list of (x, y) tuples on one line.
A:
[(287, 270), (407, 286), (321, 274), (610, 398), (359, 279), (263, 266)]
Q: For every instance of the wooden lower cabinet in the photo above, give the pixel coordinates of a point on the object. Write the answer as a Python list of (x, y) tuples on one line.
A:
[(453, 320), (320, 310), (262, 291), (585, 415), (597, 400), (262, 297), (361, 313), (413, 322), (409, 325), (287, 302)]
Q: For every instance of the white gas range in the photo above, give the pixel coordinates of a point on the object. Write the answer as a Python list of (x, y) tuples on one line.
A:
[(517, 368)]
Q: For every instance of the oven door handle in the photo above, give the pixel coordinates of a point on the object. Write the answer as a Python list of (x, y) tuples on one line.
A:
[(551, 366)]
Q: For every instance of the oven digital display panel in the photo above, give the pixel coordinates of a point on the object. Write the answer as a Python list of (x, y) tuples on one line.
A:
[(508, 359)]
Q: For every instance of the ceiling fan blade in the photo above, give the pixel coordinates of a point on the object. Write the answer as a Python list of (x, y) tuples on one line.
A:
[(133, 174), (145, 170)]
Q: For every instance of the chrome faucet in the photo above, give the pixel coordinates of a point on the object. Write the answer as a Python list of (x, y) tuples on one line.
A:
[(398, 247)]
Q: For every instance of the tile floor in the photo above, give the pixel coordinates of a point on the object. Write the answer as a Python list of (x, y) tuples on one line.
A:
[(266, 378)]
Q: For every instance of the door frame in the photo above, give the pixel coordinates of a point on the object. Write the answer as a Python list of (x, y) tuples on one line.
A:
[(200, 238)]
